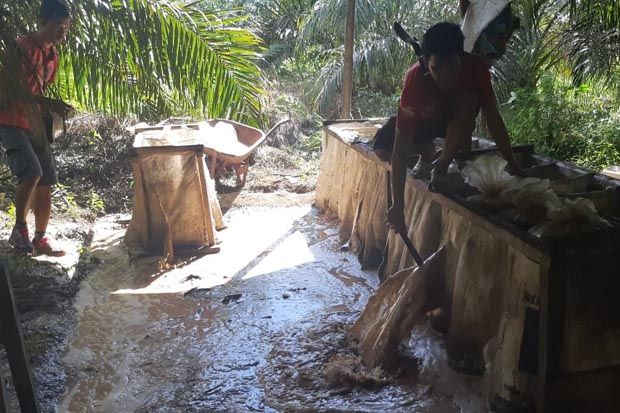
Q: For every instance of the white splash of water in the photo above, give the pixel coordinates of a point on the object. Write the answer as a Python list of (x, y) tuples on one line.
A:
[(468, 392)]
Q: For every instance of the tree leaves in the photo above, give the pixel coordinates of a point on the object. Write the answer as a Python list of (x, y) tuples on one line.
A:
[(593, 43), (156, 58), (380, 59)]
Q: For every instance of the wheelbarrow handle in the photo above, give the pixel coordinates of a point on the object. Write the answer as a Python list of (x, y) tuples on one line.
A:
[(276, 126)]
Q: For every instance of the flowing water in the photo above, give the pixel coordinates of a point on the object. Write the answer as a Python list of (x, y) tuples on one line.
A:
[(249, 329)]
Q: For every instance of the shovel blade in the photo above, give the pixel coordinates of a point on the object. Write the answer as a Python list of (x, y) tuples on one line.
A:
[(393, 310)]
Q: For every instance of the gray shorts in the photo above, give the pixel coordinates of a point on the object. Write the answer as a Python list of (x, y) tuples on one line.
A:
[(27, 156)]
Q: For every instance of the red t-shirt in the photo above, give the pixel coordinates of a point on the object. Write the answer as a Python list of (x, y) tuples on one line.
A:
[(425, 110), (40, 66)]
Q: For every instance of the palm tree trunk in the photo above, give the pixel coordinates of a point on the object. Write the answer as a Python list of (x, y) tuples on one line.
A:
[(347, 81)]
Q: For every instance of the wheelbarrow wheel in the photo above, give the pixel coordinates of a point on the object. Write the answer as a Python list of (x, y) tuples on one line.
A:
[(241, 170)]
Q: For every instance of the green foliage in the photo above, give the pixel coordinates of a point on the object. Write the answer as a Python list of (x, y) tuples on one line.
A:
[(370, 103), (593, 44), (7, 205), (12, 211), (533, 49), (279, 23), (580, 36), (303, 67), (65, 200), (153, 58), (95, 203), (69, 202), (313, 142), (4, 201), (285, 104), (578, 124)]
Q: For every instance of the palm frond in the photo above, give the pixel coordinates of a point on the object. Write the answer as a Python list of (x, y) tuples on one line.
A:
[(158, 58), (533, 49), (329, 83), (593, 40), (379, 57)]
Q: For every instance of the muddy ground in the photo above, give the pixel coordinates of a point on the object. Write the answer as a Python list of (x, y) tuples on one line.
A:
[(251, 329)]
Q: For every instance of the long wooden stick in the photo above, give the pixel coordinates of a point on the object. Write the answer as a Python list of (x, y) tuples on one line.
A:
[(11, 336), (412, 250), (347, 72), (3, 405)]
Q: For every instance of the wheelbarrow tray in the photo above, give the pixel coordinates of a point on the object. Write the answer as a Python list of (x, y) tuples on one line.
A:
[(231, 141)]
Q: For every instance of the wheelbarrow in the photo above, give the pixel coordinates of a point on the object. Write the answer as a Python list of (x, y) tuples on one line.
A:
[(230, 144)]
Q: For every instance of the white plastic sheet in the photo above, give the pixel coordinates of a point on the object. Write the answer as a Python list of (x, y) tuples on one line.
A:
[(479, 14)]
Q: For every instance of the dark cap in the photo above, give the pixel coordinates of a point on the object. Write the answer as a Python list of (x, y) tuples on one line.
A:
[(54, 8)]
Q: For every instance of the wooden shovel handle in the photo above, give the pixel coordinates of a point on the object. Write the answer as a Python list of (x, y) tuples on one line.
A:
[(412, 250)]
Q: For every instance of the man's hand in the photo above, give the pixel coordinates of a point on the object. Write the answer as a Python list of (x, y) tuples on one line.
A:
[(396, 220)]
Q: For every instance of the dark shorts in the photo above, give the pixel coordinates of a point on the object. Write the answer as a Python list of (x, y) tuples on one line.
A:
[(427, 131), (27, 156)]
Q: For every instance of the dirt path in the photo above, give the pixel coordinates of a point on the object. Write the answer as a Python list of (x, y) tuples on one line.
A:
[(249, 329)]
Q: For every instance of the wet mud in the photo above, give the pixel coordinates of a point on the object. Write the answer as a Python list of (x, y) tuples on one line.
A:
[(259, 327), (44, 292)]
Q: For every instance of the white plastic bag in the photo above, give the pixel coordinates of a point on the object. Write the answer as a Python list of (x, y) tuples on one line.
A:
[(531, 197), (570, 217), (487, 173), (531, 193)]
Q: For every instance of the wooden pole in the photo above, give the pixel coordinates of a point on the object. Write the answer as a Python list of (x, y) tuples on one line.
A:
[(11, 336), (347, 76)]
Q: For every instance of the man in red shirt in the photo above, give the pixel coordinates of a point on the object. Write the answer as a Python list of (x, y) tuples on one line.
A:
[(441, 98), (22, 131)]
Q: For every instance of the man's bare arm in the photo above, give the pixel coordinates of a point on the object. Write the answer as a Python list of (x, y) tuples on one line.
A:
[(400, 154), (458, 131), (499, 134)]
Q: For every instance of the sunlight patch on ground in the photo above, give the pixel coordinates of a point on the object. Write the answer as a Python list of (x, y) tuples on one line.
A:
[(291, 252), (68, 262), (108, 236), (244, 241)]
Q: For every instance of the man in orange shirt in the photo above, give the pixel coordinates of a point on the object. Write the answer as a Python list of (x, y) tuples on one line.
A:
[(22, 135)]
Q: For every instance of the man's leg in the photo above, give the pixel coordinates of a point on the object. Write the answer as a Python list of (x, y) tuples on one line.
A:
[(20, 237), (24, 198), (384, 154), (25, 166), (42, 207), (43, 201), (42, 211), (383, 143)]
